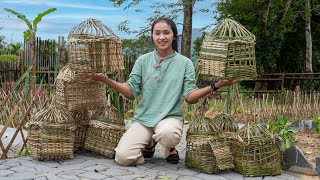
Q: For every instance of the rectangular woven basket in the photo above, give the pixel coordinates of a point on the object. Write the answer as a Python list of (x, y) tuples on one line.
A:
[(103, 137), (96, 56)]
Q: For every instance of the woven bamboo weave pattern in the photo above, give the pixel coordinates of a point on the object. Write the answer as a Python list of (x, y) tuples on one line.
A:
[(81, 119), (76, 94), (51, 134), (259, 153), (94, 48), (199, 154), (228, 52), (222, 151), (104, 133), (222, 146)]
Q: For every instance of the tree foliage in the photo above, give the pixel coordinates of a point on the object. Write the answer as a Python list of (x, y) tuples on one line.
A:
[(170, 9), (139, 46)]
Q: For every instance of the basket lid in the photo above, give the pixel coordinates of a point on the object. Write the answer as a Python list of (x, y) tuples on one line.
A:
[(52, 115), (230, 29), (255, 133), (204, 125), (108, 114), (92, 29)]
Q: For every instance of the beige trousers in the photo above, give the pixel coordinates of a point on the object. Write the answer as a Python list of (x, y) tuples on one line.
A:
[(167, 132)]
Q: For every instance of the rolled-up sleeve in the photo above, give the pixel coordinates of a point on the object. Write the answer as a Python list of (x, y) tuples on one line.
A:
[(135, 79), (189, 81)]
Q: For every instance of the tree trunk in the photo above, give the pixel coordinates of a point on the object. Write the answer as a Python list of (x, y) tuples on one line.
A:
[(33, 57), (187, 28), (308, 37), (264, 15), (260, 85)]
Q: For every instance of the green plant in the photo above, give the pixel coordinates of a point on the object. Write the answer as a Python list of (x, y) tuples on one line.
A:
[(317, 124), (284, 131), (9, 58)]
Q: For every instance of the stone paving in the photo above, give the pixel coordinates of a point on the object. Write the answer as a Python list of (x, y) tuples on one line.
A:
[(87, 165)]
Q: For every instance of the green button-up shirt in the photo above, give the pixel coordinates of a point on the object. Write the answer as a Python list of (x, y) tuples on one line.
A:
[(162, 83)]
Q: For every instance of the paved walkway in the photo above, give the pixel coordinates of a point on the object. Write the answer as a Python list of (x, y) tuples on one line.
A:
[(91, 166)]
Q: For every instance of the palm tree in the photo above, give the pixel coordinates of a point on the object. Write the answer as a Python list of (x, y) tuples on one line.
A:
[(30, 33), (15, 48)]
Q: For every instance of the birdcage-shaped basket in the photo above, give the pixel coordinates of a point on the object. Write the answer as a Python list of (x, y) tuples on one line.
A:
[(105, 130), (94, 48), (51, 134), (81, 119), (76, 93), (199, 154), (258, 154), (228, 52)]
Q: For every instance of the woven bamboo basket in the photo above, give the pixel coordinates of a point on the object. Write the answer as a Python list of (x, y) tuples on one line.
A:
[(199, 154), (104, 133), (228, 52), (94, 48), (259, 153), (51, 134), (222, 146), (81, 119), (76, 93)]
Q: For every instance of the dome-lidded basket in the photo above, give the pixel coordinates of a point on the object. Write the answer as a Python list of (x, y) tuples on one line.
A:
[(76, 93), (258, 154), (199, 154), (51, 134), (105, 130), (94, 48), (228, 52)]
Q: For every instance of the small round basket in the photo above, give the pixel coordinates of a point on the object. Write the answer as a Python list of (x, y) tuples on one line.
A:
[(51, 134), (258, 154), (105, 130), (94, 48)]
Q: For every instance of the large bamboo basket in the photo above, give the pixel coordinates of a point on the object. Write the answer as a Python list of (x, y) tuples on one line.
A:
[(51, 134), (76, 93), (104, 133), (94, 48), (199, 154), (228, 52), (81, 119), (258, 154)]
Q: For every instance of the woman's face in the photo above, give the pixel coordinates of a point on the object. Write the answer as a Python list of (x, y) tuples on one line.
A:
[(162, 36)]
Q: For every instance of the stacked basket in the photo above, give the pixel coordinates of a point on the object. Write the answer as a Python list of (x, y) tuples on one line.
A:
[(61, 129), (228, 52)]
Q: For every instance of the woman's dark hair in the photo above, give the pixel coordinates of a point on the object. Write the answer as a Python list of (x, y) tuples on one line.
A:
[(173, 28)]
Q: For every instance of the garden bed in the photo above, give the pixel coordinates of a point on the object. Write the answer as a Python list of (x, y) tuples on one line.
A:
[(309, 143)]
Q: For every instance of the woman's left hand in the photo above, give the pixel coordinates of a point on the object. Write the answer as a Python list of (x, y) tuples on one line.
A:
[(226, 82)]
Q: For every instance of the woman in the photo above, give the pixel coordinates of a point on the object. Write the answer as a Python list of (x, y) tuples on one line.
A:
[(164, 78)]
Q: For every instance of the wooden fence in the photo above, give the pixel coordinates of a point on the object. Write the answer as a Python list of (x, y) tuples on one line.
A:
[(49, 55)]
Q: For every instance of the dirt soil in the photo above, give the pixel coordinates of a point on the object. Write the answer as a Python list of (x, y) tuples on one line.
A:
[(309, 143)]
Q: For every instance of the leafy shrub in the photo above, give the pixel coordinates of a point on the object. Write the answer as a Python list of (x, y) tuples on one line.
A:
[(9, 58), (285, 132)]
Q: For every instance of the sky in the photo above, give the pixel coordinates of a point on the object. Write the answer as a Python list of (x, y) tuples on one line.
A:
[(70, 13)]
